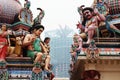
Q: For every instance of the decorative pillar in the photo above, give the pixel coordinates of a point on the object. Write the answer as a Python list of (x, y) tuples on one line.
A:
[(3, 71), (37, 72)]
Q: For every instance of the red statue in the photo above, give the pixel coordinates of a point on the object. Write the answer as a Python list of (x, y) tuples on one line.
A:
[(3, 42)]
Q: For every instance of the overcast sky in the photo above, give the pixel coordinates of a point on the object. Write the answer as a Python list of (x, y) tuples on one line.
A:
[(58, 12)]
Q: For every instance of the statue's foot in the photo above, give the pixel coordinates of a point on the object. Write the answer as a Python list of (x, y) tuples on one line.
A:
[(47, 70), (88, 42), (47, 74)]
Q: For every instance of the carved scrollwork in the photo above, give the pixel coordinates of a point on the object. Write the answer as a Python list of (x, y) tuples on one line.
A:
[(92, 52)]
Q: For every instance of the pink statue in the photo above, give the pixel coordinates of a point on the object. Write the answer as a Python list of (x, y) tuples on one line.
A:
[(91, 21)]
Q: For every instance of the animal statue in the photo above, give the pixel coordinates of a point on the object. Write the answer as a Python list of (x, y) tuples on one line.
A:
[(15, 51), (18, 46)]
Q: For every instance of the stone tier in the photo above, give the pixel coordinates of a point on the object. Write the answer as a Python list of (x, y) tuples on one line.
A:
[(107, 39), (19, 68), (105, 43)]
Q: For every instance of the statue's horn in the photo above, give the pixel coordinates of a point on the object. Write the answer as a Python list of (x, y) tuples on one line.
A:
[(39, 9), (81, 7)]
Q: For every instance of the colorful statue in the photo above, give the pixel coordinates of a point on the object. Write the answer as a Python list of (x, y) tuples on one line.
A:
[(15, 51), (79, 9), (91, 18), (76, 48), (103, 8), (26, 14), (15, 40), (3, 42), (39, 18), (92, 52)]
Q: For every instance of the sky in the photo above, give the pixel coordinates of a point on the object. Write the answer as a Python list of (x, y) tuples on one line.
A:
[(58, 12)]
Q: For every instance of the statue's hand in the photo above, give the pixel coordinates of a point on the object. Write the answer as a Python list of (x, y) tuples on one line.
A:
[(96, 12)]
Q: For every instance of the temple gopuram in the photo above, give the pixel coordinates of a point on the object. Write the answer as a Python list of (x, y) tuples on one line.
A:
[(100, 59), (14, 64)]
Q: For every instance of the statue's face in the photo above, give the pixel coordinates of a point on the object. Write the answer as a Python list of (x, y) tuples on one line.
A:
[(28, 5), (4, 27), (87, 14), (38, 31)]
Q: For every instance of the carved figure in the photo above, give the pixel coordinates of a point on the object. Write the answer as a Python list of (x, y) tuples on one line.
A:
[(15, 51), (3, 42), (26, 14), (91, 19), (92, 51), (39, 18), (76, 46), (35, 46), (103, 8)]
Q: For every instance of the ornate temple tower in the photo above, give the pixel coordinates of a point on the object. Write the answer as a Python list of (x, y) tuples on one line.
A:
[(102, 64), (9, 15)]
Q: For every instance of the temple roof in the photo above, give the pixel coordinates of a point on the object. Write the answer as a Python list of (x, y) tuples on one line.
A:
[(8, 10)]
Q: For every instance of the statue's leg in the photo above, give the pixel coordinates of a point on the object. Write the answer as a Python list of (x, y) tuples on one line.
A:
[(3, 53), (18, 50), (11, 51), (90, 36), (113, 27), (47, 62), (38, 57)]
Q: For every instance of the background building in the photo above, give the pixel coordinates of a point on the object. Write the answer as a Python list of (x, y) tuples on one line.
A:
[(61, 40)]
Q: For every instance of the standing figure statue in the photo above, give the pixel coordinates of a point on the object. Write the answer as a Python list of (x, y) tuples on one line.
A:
[(26, 14), (3, 42), (76, 48)]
